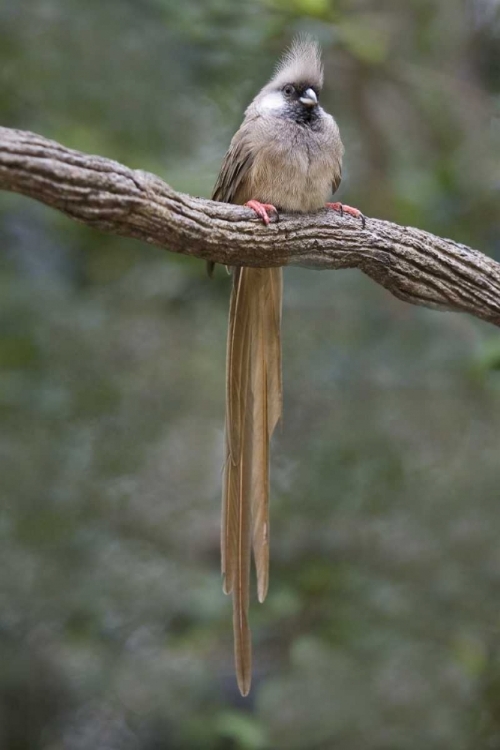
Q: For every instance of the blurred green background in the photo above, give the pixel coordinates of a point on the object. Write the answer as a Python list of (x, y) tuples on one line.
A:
[(382, 626)]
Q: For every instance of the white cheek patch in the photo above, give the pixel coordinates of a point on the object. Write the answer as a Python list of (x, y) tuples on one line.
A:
[(271, 102)]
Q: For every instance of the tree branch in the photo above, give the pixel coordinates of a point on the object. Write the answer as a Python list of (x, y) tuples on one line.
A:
[(414, 265)]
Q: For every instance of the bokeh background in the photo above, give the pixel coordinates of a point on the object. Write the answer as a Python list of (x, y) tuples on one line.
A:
[(382, 626)]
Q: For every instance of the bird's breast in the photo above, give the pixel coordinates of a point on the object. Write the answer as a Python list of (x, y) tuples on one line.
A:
[(294, 170)]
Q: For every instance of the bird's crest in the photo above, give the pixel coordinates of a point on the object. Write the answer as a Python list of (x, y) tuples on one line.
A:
[(300, 63)]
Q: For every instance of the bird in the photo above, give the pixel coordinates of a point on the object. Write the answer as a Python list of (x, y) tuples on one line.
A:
[(286, 156)]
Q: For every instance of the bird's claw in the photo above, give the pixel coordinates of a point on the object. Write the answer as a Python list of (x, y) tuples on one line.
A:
[(261, 209), (343, 209)]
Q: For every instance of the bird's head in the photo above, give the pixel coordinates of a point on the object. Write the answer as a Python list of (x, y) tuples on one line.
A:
[(293, 92)]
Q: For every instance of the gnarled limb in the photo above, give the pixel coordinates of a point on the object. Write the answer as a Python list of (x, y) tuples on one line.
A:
[(414, 265)]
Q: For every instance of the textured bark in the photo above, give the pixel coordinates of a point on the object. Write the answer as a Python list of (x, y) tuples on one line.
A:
[(414, 265)]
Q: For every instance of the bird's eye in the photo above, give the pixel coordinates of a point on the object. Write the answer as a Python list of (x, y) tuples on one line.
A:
[(288, 90)]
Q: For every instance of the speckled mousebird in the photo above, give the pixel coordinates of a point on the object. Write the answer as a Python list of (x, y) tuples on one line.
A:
[(287, 155)]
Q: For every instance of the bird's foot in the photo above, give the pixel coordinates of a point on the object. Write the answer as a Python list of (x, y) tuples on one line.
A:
[(261, 209), (343, 209)]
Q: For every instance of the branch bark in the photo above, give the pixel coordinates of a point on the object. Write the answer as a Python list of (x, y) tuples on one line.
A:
[(414, 265)]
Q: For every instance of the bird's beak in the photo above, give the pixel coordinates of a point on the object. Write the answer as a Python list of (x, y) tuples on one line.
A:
[(309, 99)]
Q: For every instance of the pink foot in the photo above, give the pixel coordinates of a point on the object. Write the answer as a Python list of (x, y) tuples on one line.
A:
[(261, 209), (343, 209)]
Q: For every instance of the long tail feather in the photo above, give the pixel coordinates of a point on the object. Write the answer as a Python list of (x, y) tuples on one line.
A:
[(267, 408), (253, 407)]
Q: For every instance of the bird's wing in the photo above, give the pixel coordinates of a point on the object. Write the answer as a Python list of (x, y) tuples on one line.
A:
[(336, 178), (230, 186), (235, 167)]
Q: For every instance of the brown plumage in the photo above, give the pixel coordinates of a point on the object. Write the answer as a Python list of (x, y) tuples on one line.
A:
[(288, 153)]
